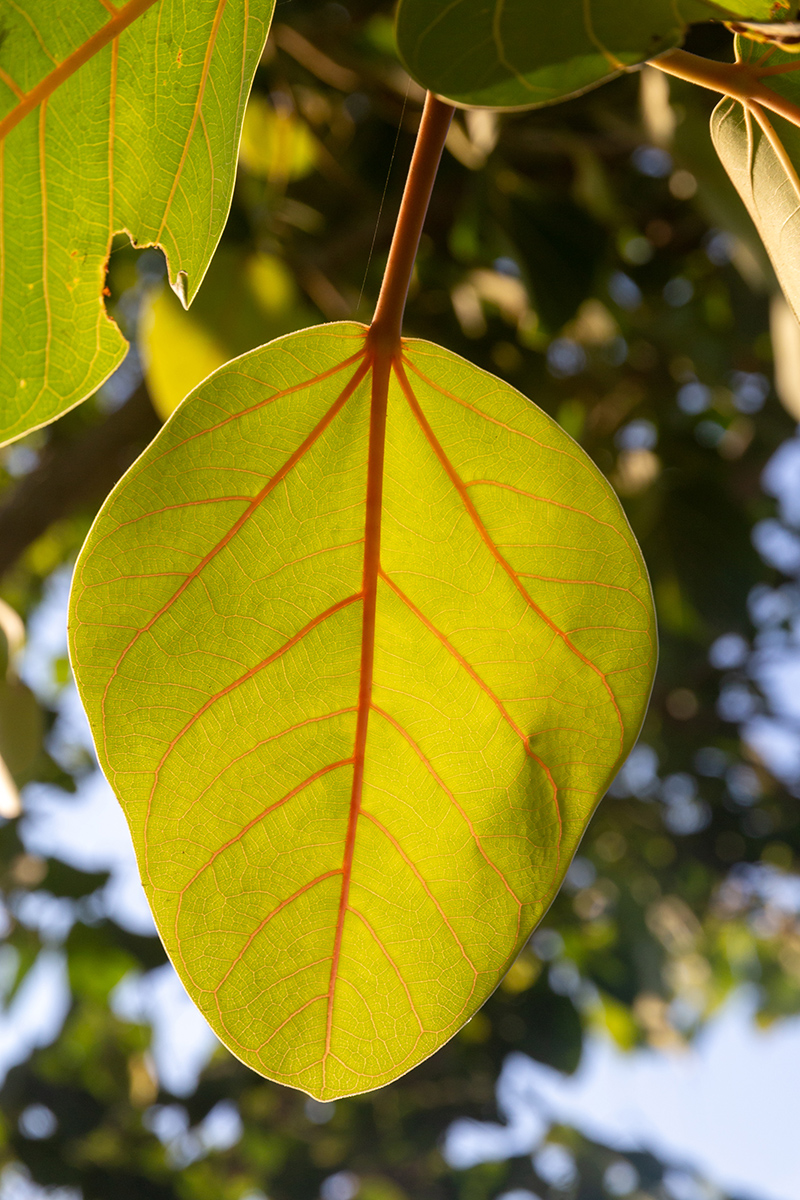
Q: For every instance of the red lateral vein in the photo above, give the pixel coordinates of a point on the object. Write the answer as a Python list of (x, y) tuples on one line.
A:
[(280, 395), (271, 658), (783, 69), (281, 474), (483, 415), (295, 791), (484, 688), (286, 1021), (391, 962), (485, 536), (158, 512), (266, 741), (425, 885), (613, 587), (468, 667), (263, 924), (580, 512), (438, 779), (9, 82)]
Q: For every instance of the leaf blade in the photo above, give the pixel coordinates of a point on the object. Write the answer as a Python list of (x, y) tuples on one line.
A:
[(92, 149), (760, 151), (517, 54), (344, 856)]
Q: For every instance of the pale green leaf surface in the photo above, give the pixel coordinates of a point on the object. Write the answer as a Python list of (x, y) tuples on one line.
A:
[(216, 624), (526, 53), (760, 150), (141, 138)]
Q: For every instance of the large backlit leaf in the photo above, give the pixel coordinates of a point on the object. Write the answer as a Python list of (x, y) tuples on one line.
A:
[(525, 53), (760, 150), (107, 123), (357, 734)]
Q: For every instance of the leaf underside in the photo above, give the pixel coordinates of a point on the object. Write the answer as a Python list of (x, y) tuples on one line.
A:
[(338, 913), (142, 137), (761, 153), (527, 53)]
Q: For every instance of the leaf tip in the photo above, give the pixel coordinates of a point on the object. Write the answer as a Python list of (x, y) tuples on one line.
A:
[(180, 287)]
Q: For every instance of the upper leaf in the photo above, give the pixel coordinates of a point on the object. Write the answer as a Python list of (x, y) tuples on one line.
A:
[(760, 150), (526, 53), (110, 120), (361, 645)]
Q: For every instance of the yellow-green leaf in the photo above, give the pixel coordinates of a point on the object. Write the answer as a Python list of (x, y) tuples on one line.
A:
[(362, 642), (178, 351), (277, 144), (526, 53), (111, 119)]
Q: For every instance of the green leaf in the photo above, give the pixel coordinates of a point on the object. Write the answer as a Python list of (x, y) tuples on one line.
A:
[(760, 150), (108, 124), (358, 712), (526, 53), (21, 726)]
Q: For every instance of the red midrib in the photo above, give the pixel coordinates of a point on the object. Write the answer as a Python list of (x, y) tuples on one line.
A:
[(381, 360)]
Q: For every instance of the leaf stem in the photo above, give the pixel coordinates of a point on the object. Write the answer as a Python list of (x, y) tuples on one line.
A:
[(387, 322), (738, 80)]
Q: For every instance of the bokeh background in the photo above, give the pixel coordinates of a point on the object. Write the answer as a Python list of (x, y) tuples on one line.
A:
[(647, 1042)]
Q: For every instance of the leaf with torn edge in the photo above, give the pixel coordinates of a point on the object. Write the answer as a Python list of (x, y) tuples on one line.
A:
[(362, 643), (111, 119)]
